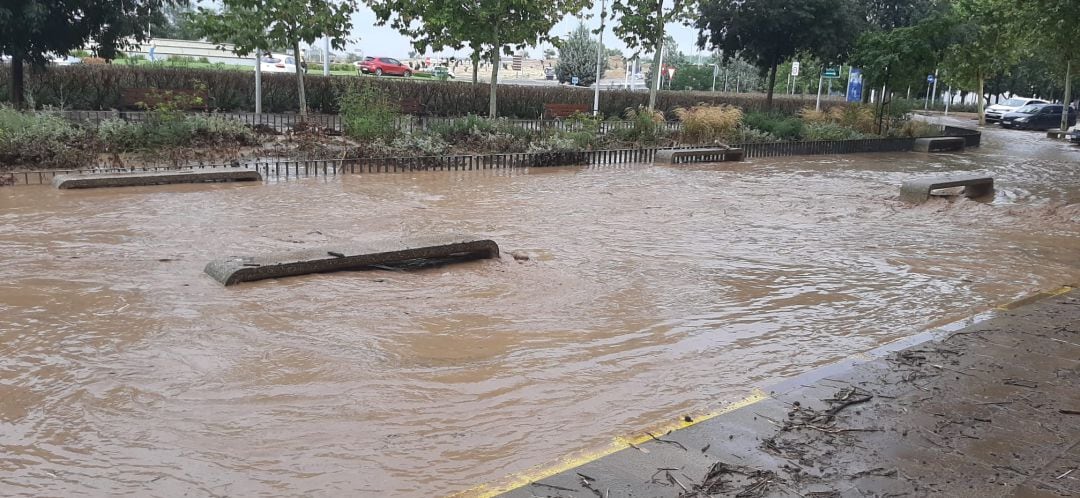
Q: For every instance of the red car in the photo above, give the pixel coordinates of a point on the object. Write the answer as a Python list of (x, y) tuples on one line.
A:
[(383, 65)]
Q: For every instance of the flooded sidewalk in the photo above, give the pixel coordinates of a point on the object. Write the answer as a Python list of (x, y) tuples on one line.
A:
[(990, 409)]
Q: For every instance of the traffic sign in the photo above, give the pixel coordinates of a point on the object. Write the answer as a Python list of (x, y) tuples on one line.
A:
[(929, 78), (516, 65), (574, 80), (795, 68), (832, 72)]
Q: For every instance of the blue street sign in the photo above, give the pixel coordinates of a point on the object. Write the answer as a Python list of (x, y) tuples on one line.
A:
[(929, 78), (152, 49), (574, 80), (855, 86)]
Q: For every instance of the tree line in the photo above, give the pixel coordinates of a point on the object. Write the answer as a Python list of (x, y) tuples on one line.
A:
[(981, 45)]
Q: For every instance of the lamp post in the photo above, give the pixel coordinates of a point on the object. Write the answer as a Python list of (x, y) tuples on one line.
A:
[(599, 60)]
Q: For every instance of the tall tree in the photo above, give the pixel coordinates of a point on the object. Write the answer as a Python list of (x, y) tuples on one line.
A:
[(577, 57), (891, 14), (768, 31), (264, 24), (1054, 31), (987, 43), (174, 22), (490, 28), (641, 27), (31, 31)]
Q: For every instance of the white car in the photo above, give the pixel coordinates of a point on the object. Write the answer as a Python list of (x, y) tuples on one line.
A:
[(274, 63), (998, 111)]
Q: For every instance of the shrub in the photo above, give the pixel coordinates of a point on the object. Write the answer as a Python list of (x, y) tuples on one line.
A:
[(646, 126), (745, 135), (781, 127), (40, 140), (829, 131), (180, 59), (704, 123), (162, 131), (367, 114)]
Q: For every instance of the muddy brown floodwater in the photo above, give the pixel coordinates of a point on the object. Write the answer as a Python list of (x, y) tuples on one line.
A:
[(651, 292)]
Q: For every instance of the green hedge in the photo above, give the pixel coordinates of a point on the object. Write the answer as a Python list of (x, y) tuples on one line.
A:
[(95, 87)]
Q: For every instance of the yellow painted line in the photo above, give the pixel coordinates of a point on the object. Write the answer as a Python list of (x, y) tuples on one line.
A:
[(540, 472), (1035, 297)]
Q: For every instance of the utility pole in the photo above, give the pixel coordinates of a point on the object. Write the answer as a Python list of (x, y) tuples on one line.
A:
[(948, 100), (933, 95), (326, 57), (599, 60), (258, 82), (820, 80)]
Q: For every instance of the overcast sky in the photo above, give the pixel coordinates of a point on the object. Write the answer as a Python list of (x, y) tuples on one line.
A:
[(385, 41)]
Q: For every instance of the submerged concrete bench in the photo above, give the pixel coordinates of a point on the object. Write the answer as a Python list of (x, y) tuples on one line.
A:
[(918, 190), (707, 155), (236, 269), (135, 179), (939, 144)]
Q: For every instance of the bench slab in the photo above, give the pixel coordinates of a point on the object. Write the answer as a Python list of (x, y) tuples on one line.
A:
[(917, 190), (135, 179), (939, 144), (235, 269), (704, 155)]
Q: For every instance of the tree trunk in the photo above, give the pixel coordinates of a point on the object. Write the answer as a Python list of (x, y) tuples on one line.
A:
[(475, 66), (300, 81), (17, 93), (496, 55), (1067, 100), (772, 83), (654, 82), (982, 95)]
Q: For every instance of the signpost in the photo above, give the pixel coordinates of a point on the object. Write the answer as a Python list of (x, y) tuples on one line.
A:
[(832, 72), (855, 85), (794, 75)]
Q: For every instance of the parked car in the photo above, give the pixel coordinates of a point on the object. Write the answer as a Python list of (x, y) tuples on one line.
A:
[(1037, 117), (274, 63), (66, 60), (383, 66), (995, 112), (1074, 136)]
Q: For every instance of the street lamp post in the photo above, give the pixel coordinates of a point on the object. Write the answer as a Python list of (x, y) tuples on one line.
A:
[(599, 60)]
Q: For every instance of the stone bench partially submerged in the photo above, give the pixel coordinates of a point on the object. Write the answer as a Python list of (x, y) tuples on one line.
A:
[(917, 191), (705, 155), (939, 144), (141, 178), (236, 269)]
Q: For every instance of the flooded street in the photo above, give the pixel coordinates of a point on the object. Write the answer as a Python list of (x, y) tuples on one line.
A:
[(650, 292)]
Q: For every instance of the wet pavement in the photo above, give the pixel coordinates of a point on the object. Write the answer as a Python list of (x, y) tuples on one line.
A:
[(648, 292), (990, 409)]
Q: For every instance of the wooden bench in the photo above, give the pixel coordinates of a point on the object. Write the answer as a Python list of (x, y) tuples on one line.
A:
[(939, 144), (149, 98), (411, 106), (705, 155), (559, 111), (917, 190)]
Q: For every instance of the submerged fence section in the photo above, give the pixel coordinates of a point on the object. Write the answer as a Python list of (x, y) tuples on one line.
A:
[(289, 168)]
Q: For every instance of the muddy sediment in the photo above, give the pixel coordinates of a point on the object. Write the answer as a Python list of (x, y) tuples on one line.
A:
[(647, 291), (987, 410)]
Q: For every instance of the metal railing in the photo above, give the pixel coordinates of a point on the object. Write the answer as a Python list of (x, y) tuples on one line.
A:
[(288, 168)]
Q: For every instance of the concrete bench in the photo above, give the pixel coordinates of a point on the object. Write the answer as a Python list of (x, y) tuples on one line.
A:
[(939, 144), (136, 179), (918, 190), (709, 155), (236, 269)]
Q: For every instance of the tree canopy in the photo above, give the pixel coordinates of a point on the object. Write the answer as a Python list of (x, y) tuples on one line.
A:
[(766, 32), (32, 31), (641, 27), (577, 58), (490, 28), (254, 25)]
